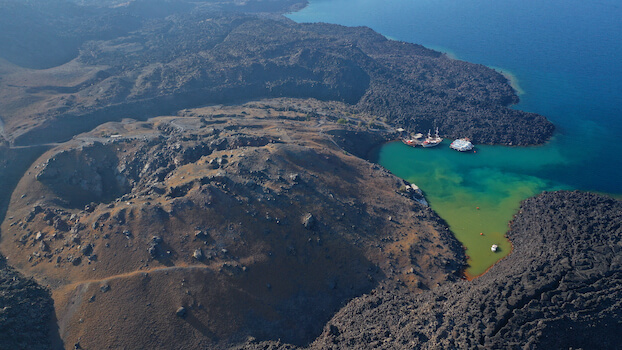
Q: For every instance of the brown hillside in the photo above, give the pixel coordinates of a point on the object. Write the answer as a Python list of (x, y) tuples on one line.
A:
[(251, 218)]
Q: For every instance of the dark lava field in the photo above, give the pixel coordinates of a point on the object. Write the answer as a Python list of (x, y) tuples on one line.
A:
[(196, 174)]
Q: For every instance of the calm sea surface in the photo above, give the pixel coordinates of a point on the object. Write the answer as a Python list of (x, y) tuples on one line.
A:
[(565, 57)]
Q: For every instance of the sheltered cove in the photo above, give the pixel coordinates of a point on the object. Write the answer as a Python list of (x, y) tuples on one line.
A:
[(253, 157)]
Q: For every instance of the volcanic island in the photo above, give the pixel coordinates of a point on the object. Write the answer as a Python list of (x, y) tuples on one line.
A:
[(198, 175)]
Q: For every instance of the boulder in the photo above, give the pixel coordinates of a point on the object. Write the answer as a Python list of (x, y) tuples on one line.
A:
[(198, 254), (308, 221), (87, 249)]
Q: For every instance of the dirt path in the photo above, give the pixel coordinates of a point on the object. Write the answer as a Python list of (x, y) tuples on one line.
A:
[(90, 139), (76, 285), (71, 296)]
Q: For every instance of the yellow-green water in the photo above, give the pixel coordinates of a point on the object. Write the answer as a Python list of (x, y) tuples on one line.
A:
[(494, 179)]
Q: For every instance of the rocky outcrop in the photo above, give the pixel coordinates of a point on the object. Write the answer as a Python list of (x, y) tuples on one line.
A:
[(26, 311)]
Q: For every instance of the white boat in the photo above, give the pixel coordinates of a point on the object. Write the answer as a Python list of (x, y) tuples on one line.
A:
[(462, 145), (432, 141), (494, 248)]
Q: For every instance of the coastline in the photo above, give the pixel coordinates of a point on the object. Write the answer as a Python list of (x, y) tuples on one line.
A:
[(456, 183), (522, 300), (512, 78), (470, 277), (514, 83), (284, 162), (447, 52)]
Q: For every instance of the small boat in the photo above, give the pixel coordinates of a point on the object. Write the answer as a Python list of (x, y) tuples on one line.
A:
[(494, 248), (432, 141), (461, 145)]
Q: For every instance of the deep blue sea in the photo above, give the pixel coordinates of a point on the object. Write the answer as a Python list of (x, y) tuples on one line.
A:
[(565, 60), (565, 54)]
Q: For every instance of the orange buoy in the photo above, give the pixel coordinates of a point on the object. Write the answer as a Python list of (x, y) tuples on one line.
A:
[(477, 208), (481, 233)]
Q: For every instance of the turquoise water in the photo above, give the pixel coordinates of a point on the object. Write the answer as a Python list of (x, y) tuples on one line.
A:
[(476, 193), (566, 56)]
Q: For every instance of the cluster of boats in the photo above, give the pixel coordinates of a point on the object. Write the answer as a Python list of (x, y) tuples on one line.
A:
[(462, 145)]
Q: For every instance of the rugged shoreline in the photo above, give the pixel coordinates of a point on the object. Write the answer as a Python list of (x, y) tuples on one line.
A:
[(525, 273), (560, 289), (231, 194), (211, 57)]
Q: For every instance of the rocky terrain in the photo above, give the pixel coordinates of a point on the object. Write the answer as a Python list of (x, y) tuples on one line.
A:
[(205, 184), (237, 226), (559, 289), (44, 34), (204, 56), (26, 311), (246, 217)]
